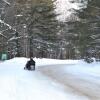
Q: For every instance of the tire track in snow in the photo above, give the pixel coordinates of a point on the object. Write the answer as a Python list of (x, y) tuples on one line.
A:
[(78, 86)]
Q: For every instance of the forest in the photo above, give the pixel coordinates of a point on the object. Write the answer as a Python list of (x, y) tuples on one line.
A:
[(32, 28)]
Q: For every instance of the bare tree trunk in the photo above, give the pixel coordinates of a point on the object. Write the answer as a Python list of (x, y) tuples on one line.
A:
[(26, 45)]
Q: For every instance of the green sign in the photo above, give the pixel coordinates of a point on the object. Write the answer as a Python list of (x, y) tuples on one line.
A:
[(3, 56)]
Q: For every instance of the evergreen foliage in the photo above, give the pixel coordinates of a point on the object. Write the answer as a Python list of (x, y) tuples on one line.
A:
[(30, 28)]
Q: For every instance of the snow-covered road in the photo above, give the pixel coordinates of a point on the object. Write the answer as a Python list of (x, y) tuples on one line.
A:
[(79, 83), (19, 84), (52, 80)]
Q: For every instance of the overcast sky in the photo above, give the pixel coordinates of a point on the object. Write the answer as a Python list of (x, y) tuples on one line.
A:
[(64, 8)]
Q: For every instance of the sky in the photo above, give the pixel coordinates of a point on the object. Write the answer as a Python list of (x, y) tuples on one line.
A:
[(65, 8)]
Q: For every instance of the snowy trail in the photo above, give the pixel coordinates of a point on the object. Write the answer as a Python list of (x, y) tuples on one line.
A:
[(19, 84), (80, 84), (52, 80)]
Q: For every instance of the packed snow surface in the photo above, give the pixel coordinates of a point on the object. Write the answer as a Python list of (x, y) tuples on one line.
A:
[(19, 84)]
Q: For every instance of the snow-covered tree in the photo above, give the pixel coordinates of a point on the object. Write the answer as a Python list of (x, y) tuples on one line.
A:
[(25, 21)]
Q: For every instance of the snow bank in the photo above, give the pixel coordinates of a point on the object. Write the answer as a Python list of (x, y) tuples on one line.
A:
[(44, 61)]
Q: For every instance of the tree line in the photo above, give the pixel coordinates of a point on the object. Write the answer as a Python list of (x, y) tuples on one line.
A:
[(30, 28)]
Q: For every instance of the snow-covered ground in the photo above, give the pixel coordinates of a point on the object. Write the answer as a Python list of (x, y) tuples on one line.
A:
[(47, 81)]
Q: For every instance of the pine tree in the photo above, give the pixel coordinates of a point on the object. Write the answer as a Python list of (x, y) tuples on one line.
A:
[(90, 18), (43, 27)]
